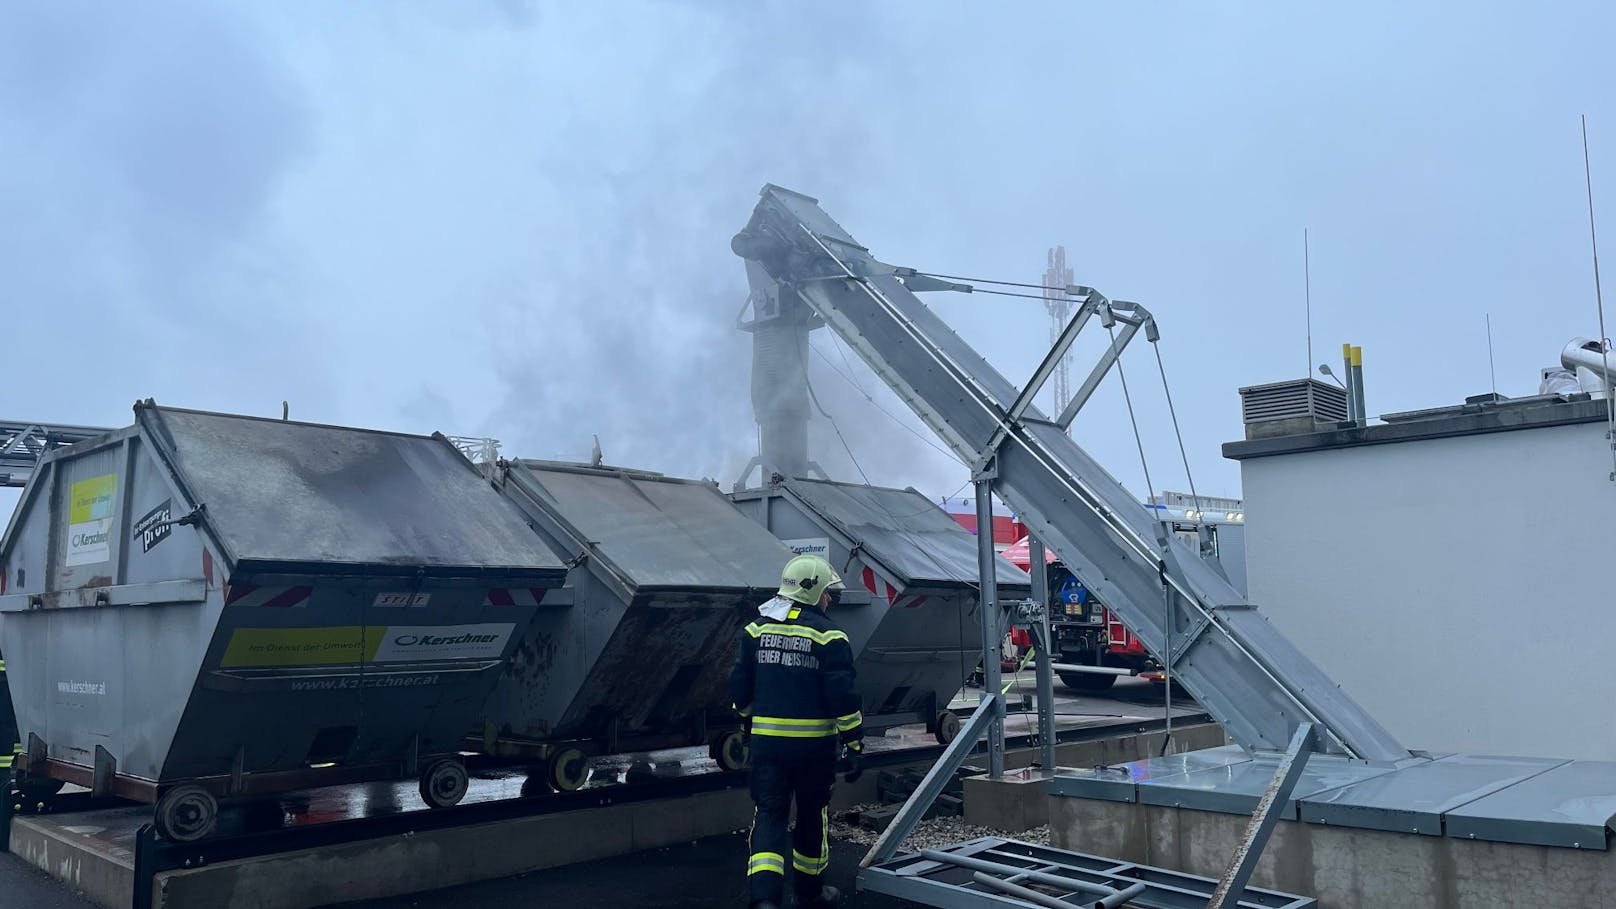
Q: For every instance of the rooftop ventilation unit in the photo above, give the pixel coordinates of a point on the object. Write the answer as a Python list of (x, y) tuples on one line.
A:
[(1291, 408)]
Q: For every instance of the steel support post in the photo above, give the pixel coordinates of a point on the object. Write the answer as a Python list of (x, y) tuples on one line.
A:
[(1270, 808), (936, 779), (1044, 657), (992, 627)]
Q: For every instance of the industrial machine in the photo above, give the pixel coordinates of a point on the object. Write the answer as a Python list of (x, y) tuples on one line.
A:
[(203, 606), (634, 653), (1261, 689), (910, 607)]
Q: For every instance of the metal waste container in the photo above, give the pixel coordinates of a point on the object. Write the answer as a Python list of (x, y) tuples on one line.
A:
[(9, 746), (634, 653), (911, 573), (204, 605)]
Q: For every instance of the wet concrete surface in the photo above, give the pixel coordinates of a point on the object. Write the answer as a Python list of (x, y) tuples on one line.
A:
[(706, 873), (22, 886)]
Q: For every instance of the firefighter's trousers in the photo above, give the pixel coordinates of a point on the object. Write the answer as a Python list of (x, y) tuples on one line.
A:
[(806, 776)]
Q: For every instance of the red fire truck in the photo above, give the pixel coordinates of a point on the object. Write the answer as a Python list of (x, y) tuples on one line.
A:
[(1085, 632)]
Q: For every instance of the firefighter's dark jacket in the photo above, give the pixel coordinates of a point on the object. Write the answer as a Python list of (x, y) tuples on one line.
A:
[(793, 681)]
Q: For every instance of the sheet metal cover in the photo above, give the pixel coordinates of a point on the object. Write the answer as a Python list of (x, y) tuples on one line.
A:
[(1415, 798), (905, 530), (664, 532), (1117, 783), (1237, 787), (285, 492), (1573, 805)]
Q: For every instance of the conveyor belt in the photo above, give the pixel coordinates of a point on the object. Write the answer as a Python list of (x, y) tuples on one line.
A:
[(1257, 685)]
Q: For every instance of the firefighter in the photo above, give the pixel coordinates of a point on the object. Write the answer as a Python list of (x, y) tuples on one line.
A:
[(793, 686)]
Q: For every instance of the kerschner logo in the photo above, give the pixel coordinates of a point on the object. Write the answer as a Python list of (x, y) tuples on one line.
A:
[(444, 642), (89, 539), (427, 640)]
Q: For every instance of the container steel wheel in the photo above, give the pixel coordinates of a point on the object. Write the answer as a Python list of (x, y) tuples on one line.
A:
[(444, 783), (186, 814), (567, 770), (948, 726), (730, 751)]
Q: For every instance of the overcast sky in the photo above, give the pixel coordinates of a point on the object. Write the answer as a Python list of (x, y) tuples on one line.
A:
[(512, 219)]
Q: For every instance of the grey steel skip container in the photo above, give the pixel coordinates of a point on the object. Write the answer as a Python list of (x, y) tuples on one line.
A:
[(634, 654), (204, 605), (910, 605)]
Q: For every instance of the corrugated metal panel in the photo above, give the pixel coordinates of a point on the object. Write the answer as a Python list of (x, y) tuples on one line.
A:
[(906, 531), (662, 532), (284, 492)]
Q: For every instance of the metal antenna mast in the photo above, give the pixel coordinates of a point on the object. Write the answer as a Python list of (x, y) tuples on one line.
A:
[(1057, 277), (1599, 297), (1492, 372), (1307, 295)]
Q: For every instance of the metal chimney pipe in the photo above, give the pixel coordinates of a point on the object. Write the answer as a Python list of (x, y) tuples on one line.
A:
[(780, 395), (1350, 383), (1361, 415), (1593, 365)]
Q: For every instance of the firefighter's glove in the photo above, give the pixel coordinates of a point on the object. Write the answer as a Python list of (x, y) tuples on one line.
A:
[(851, 763)]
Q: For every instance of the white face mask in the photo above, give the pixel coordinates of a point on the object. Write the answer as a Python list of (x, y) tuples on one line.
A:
[(777, 608)]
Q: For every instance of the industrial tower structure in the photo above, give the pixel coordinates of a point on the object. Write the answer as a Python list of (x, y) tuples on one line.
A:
[(1057, 277)]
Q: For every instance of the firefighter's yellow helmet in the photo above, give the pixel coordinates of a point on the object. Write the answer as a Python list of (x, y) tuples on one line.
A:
[(806, 578)]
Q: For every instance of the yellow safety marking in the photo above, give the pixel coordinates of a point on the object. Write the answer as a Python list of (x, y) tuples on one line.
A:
[(772, 862), (824, 832), (799, 631), (792, 728), (808, 864)]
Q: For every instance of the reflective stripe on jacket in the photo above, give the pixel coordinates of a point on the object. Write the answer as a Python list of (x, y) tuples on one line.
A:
[(794, 679)]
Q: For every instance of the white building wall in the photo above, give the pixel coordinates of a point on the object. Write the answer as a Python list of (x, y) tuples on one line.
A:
[(1462, 589)]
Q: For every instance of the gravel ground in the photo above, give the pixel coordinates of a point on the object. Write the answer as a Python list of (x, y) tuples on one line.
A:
[(929, 834)]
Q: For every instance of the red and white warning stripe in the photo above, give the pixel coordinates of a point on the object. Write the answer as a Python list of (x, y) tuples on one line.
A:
[(514, 596), (880, 587), (268, 597)]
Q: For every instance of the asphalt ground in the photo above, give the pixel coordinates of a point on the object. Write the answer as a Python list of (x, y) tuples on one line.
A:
[(706, 873)]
